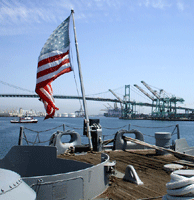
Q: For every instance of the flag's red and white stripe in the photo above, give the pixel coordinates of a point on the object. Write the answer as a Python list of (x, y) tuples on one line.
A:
[(51, 66), (46, 95)]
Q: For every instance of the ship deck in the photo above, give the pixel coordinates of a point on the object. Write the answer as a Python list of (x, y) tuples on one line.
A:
[(148, 166)]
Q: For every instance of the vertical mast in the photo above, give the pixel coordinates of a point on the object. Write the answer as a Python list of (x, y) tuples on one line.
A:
[(82, 86)]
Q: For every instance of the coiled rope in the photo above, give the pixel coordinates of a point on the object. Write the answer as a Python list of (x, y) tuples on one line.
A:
[(180, 188)]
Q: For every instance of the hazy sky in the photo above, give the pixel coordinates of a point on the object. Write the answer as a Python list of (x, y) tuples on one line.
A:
[(120, 42)]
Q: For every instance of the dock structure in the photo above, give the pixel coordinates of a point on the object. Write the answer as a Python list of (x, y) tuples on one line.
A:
[(163, 106)]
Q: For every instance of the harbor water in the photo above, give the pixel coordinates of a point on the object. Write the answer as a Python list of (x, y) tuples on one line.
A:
[(9, 132)]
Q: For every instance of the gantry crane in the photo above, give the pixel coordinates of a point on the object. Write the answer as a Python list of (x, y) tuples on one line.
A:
[(160, 109), (107, 108), (150, 89), (110, 106), (121, 101), (144, 92), (127, 108), (150, 97), (164, 108)]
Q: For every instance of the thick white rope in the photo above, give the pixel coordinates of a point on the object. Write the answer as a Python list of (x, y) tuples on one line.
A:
[(180, 188)]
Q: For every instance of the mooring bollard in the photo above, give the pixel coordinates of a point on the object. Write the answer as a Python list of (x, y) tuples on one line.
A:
[(162, 140)]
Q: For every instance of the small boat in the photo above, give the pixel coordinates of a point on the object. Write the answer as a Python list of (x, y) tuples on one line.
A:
[(24, 120)]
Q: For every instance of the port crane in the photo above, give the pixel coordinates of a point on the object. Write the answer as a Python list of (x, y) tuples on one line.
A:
[(159, 109), (126, 111), (110, 106), (120, 100), (150, 89), (107, 108), (165, 106), (150, 97), (123, 113)]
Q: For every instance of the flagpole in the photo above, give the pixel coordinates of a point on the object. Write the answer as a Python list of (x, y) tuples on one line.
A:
[(82, 86)]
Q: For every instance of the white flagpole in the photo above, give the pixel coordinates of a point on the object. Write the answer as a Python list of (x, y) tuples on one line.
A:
[(82, 86)]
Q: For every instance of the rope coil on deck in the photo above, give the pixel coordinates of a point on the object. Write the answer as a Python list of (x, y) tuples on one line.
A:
[(180, 188)]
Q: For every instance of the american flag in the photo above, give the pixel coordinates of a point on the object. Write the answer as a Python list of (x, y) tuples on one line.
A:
[(53, 61)]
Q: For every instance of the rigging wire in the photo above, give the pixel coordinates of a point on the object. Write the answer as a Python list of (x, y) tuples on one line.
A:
[(75, 80)]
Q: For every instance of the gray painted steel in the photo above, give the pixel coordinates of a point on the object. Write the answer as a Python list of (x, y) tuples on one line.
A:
[(53, 178), (82, 85), (121, 144), (62, 147), (132, 176), (96, 133), (13, 188), (163, 140), (182, 146)]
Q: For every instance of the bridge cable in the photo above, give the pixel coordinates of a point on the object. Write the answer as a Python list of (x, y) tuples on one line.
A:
[(16, 87)]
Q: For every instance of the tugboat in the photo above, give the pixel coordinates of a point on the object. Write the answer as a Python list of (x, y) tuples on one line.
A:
[(26, 119)]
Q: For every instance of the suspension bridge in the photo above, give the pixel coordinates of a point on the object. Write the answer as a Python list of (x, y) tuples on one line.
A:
[(162, 104), (74, 97), (88, 98)]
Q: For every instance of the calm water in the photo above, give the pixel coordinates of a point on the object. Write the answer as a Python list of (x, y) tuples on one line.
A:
[(9, 133)]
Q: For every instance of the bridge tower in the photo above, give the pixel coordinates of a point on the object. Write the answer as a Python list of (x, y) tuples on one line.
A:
[(128, 108)]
